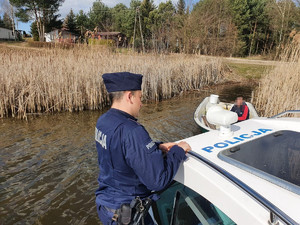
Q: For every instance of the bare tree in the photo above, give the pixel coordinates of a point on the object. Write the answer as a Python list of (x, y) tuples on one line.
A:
[(283, 16), (210, 29)]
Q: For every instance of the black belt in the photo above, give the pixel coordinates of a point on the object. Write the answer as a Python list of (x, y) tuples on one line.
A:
[(134, 212)]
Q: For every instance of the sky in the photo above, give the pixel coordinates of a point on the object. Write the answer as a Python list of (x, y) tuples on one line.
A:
[(85, 5)]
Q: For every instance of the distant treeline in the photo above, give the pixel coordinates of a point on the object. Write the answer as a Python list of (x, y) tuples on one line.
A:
[(212, 27)]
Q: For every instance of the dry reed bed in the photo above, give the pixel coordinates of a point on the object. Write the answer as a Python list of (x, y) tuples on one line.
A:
[(279, 90), (54, 80)]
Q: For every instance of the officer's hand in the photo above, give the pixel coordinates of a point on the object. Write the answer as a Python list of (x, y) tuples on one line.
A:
[(165, 147), (186, 147)]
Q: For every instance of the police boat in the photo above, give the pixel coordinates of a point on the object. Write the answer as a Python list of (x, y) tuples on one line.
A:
[(247, 173), (200, 116)]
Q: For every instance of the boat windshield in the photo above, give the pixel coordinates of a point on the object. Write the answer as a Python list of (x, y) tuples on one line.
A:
[(274, 157)]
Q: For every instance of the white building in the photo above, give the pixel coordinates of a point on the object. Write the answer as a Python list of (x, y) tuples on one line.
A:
[(61, 36), (6, 34)]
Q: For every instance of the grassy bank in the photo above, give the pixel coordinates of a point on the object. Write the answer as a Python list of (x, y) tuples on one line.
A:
[(279, 90), (54, 80), (248, 71)]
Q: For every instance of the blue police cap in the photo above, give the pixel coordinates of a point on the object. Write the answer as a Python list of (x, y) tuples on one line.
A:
[(123, 81)]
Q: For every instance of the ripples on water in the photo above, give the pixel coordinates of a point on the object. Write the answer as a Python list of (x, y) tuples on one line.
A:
[(48, 166)]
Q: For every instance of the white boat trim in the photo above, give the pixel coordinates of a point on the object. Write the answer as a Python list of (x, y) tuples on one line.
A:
[(286, 112)]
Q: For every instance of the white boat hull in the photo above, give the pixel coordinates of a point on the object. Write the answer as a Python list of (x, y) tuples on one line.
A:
[(200, 113)]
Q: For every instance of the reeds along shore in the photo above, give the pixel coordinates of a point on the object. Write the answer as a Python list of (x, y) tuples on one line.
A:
[(279, 90), (53, 80)]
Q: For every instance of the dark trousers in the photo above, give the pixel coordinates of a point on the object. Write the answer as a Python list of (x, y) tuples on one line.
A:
[(105, 217)]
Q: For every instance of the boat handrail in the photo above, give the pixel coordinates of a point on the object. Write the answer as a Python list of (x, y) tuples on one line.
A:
[(274, 210), (285, 112)]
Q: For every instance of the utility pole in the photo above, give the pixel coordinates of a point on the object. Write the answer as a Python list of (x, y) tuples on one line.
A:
[(134, 30), (137, 12), (143, 44), (13, 21)]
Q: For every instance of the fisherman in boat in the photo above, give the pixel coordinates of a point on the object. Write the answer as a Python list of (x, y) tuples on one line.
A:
[(241, 108), (132, 166)]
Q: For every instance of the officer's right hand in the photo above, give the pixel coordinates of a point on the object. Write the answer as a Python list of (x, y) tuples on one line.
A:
[(186, 147), (165, 147)]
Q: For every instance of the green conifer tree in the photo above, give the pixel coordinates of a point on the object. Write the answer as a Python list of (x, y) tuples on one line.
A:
[(181, 7), (70, 22), (241, 16)]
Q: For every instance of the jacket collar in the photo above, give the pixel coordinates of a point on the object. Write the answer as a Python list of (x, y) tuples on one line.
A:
[(122, 113)]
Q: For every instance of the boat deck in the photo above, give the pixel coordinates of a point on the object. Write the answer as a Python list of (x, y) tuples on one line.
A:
[(210, 145)]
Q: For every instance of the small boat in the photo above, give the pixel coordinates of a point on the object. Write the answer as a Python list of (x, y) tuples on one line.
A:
[(200, 113), (247, 175)]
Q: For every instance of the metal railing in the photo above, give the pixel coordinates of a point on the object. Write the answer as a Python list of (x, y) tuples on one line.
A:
[(274, 210), (286, 112)]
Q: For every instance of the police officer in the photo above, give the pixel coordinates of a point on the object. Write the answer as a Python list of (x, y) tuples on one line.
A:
[(130, 163)]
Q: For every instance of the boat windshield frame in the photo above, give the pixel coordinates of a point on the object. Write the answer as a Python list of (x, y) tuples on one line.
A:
[(225, 156)]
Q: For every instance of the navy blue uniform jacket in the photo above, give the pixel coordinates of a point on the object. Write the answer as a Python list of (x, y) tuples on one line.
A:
[(130, 163)]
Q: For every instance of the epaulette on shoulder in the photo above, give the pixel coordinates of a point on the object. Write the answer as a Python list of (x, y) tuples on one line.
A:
[(134, 122)]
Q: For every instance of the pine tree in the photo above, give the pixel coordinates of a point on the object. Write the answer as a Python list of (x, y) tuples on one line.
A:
[(100, 16), (7, 21), (70, 22), (181, 7), (146, 7), (82, 22), (162, 20), (241, 15), (52, 22), (130, 18), (119, 17), (1, 22), (34, 31), (259, 24), (36, 10)]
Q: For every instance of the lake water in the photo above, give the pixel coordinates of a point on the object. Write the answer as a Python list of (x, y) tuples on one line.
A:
[(48, 164)]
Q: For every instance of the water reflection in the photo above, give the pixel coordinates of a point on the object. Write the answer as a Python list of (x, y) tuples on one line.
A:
[(48, 166)]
